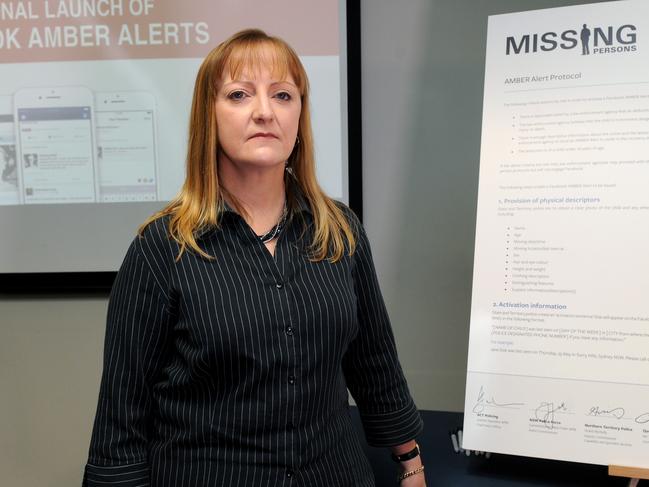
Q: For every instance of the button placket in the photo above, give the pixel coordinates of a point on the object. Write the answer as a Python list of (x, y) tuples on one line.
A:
[(283, 274)]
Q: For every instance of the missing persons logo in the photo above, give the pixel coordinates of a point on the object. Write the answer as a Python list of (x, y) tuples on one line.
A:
[(587, 38)]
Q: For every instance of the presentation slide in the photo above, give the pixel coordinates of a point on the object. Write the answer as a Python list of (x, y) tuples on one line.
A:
[(559, 342), (94, 110)]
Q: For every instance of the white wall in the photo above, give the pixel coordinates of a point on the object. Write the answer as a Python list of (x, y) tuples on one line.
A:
[(50, 365)]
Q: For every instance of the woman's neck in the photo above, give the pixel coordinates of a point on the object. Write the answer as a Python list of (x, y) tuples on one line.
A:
[(261, 193)]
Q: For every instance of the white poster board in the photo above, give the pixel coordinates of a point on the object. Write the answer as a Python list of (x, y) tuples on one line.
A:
[(559, 343)]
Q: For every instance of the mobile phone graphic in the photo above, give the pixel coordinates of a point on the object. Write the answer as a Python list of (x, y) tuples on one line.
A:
[(9, 194), (55, 133), (126, 146)]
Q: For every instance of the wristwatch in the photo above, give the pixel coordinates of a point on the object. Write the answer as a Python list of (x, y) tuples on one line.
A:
[(406, 456)]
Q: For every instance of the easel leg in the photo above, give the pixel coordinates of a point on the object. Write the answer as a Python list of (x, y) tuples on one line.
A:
[(633, 482)]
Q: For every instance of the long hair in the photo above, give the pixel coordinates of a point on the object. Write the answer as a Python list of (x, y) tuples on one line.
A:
[(200, 202)]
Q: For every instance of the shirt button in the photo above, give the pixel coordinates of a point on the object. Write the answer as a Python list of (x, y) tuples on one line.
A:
[(289, 330), (289, 473), (279, 285), (291, 379)]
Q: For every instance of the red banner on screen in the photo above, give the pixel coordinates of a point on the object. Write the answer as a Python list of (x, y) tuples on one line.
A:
[(81, 30)]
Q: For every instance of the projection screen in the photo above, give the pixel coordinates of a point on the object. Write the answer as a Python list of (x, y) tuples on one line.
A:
[(94, 105)]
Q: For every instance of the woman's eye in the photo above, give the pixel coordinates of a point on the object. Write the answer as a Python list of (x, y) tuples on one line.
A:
[(284, 96), (237, 95)]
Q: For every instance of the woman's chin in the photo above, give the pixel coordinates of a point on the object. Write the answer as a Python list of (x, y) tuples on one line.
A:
[(255, 160), (265, 162)]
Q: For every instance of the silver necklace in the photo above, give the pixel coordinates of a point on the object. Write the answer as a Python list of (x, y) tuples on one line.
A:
[(277, 228)]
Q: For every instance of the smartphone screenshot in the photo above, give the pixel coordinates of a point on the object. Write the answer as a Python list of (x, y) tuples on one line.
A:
[(126, 147), (8, 161), (55, 136)]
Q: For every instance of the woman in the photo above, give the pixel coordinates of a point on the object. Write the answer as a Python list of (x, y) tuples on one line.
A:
[(245, 309)]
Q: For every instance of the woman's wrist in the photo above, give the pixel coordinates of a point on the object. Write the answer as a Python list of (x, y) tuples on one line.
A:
[(404, 448), (410, 464), (410, 474), (405, 452), (408, 458)]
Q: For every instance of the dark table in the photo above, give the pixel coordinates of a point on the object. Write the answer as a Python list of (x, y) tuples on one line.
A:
[(445, 468)]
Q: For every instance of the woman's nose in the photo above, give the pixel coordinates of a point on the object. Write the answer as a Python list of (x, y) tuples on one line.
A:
[(263, 111)]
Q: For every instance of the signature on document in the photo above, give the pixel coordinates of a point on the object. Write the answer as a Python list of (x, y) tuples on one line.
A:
[(617, 413), (483, 402), (545, 412)]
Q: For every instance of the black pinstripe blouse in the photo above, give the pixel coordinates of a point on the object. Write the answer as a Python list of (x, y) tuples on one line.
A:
[(235, 371)]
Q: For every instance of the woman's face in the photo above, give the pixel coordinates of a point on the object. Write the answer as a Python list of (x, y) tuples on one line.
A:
[(257, 117)]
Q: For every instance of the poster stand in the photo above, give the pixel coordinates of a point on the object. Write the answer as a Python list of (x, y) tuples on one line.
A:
[(633, 473)]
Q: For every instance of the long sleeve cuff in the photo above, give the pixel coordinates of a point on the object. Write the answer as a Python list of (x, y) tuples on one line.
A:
[(131, 475), (392, 428)]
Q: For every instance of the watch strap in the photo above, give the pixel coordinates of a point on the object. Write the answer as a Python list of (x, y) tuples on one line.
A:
[(404, 457)]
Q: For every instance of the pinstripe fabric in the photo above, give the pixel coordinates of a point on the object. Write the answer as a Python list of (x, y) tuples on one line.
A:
[(235, 371)]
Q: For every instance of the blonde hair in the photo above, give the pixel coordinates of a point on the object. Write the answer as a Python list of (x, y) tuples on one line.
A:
[(200, 200)]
